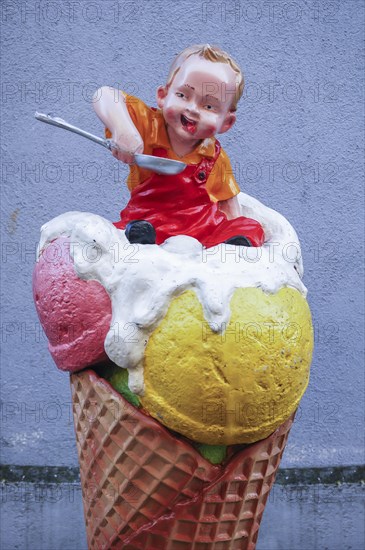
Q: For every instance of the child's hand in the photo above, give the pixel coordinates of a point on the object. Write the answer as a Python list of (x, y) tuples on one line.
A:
[(126, 147)]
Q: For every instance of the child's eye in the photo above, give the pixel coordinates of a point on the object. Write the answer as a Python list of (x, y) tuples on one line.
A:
[(209, 107), (179, 94)]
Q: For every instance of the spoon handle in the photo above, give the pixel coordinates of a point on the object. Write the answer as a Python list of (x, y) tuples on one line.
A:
[(60, 123)]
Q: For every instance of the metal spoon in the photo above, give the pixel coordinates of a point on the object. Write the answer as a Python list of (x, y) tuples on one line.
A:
[(156, 164)]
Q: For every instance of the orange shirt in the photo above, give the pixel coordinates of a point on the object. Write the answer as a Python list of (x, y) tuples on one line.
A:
[(221, 184)]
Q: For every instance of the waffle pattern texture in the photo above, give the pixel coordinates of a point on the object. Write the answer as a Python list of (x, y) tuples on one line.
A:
[(145, 488)]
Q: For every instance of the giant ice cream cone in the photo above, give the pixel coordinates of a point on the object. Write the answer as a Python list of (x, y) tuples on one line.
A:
[(145, 488), (213, 346)]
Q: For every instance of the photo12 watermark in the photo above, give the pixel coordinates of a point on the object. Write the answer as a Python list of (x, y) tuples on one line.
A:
[(317, 414), (53, 411), (24, 332), (64, 250), (271, 12), (50, 13), (47, 93)]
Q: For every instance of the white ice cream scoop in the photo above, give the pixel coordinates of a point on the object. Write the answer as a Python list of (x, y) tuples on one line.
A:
[(156, 164)]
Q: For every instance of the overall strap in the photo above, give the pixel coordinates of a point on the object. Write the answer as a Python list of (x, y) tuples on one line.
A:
[(206, 165)]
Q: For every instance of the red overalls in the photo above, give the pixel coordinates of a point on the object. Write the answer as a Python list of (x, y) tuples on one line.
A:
[(180, 205)]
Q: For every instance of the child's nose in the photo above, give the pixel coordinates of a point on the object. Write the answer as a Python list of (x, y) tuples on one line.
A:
[(193, 108)]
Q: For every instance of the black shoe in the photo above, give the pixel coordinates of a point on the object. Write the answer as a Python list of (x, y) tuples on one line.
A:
[(239, 240), (140, 231)]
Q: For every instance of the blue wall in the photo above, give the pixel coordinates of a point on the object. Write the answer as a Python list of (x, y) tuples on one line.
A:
[(297, 147)]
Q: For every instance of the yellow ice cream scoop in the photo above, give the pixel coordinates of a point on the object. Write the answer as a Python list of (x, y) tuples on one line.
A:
[(232, 386)]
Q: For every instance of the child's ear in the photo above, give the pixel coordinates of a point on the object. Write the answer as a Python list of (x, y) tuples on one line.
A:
[(161, 93), (228, 122)]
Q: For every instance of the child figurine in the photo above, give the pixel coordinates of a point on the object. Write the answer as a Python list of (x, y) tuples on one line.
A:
[(198, 101)]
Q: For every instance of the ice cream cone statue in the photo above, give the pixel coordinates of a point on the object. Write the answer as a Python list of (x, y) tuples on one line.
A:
[(145, 488), (191, 322)]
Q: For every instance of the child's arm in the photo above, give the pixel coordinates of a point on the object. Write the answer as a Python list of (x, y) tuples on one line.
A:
[(231, 208), (110, 106)]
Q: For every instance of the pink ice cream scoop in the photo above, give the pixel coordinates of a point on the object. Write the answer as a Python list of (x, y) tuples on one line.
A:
[(75, 314)]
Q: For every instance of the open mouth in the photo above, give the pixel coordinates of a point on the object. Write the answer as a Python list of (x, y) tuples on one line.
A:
[(188, 124)]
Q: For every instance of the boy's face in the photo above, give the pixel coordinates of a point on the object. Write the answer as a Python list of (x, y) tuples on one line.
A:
[(197, 103)]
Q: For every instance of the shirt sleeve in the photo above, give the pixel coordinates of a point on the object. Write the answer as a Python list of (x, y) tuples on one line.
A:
[(221, 184), (140, 114)]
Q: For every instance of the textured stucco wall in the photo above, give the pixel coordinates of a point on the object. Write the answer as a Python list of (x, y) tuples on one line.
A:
[(297, 146)]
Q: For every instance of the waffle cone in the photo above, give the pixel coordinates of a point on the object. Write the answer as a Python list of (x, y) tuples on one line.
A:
[(144, 488)]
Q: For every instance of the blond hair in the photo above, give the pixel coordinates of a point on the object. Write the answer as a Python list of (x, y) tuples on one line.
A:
[(211, 53)]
